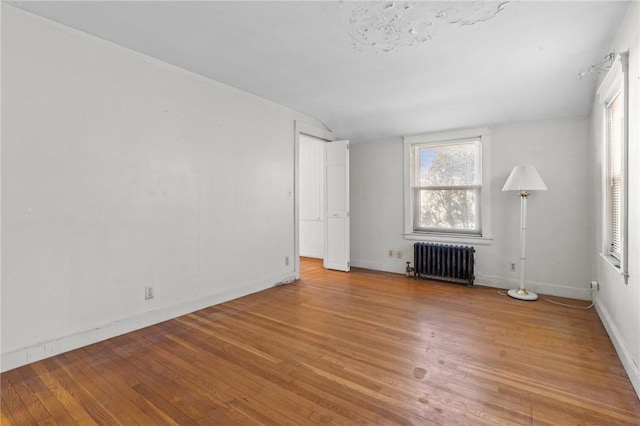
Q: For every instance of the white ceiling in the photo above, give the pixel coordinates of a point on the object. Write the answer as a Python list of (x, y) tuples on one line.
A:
[(370, 70)]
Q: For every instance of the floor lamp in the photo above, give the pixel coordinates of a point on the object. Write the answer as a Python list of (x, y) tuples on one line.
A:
[(523, 179)]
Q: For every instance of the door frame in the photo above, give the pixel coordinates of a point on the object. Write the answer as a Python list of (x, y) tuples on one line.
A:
[(302, 128)]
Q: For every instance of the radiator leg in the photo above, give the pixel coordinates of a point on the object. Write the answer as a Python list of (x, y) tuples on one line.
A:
[(409, 270)]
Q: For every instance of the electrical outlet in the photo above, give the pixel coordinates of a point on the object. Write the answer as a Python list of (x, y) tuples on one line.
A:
[(148, 292), (595, 286), (390, 253), (399, 254), (512, 267)]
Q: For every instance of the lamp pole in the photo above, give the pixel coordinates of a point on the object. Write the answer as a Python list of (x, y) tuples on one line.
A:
[(521, 293)]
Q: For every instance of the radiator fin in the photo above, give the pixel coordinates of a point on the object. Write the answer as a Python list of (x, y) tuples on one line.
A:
[(444, 261)]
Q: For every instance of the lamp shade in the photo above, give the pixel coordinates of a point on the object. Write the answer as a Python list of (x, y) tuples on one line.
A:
[(524, 178)]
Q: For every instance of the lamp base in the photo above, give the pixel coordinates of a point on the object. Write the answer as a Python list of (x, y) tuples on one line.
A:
[(522, 294)]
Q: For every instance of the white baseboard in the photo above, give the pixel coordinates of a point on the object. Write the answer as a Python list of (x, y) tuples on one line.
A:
[(395, 266), (536, 287), (633, 371), (42, 350), (312, 254), (398, 267)]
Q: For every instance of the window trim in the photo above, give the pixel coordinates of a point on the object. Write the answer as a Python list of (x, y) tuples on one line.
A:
[(616, 83), (410, 142)]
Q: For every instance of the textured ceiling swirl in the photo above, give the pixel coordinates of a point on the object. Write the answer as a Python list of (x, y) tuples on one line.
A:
[(386, 26)]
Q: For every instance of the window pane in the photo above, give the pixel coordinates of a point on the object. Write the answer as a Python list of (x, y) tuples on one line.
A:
[(615, 135), (447, 209), (449, 165), (614, 141)]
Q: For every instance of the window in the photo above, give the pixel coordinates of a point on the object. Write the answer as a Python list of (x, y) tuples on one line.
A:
[(444, 196), (613, 96), (613, 126), (446, 187)]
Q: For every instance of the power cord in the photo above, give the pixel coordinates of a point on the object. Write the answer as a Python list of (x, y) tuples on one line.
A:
[(568, 306), (504, 293)]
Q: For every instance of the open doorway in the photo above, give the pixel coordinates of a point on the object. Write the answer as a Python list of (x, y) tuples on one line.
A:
[(321, 198), (305, 131), (311, 197)]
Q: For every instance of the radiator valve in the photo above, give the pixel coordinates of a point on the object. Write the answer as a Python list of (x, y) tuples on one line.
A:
[(409, 270)]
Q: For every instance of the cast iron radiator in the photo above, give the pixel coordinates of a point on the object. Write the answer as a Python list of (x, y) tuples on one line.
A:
[(445, 262)]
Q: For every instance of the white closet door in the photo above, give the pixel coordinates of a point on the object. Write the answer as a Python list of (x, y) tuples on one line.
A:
[(337, 229)]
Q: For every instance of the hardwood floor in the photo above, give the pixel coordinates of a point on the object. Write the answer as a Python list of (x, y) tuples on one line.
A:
[(336, 348)]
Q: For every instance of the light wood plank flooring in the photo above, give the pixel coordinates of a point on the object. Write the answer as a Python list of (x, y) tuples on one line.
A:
[(336, 348)]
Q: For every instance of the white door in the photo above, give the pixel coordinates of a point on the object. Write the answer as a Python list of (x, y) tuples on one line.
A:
[(337, 247)]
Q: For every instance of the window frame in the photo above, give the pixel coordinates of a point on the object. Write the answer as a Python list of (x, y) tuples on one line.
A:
[(476, 187), (439, 139), (615, 84)]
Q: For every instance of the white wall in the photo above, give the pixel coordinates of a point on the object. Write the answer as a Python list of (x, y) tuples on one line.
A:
[(618, 303), (558, 223), (311, 197), (119, 172)]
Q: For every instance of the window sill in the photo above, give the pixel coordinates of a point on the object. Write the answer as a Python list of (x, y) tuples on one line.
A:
[(615, 265), (612, 261), (447, 238)]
